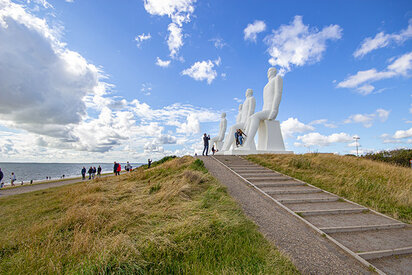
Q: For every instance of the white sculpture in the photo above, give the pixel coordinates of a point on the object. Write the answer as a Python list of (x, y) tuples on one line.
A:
[(245, 111), (219, 138), (270, 136)]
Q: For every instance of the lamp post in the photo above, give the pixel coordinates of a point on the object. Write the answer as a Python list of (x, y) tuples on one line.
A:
[(356, 138)]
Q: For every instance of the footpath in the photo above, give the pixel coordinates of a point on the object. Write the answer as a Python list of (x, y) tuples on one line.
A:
[(310, 252), (5, 192)]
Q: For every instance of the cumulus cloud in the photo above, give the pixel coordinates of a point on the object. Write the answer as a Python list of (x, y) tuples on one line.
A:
[(400, 136), (368, 119), (292, 126), (179, 11), (42, 82), (316, 139), (362, 79), (382, 40), (218, 42), (253, 29), (162, 63), (296, 44), (203, 70), (141, 38), (323, 122)]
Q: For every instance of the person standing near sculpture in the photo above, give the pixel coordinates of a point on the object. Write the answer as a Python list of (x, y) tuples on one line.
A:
[(1, 178), (272, 94), (206, 139), (222, 130), (247, 109)]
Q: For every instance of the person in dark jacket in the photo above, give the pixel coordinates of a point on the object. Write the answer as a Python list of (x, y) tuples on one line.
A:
[(84, 173), (99, 171), (1, 178), (90, 172), (206, 139), (115, 168)]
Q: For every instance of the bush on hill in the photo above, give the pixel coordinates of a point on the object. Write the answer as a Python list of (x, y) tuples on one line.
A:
[(400, 157)]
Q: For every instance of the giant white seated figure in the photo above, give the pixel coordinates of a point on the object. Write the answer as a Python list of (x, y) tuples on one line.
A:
[(245, 111), (270, 136), (219, 138)]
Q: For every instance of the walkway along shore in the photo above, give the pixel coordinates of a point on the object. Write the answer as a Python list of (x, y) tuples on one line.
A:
[(21, 189)]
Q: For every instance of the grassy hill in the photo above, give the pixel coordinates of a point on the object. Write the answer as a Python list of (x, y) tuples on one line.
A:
[(172, 218), (383, 187)]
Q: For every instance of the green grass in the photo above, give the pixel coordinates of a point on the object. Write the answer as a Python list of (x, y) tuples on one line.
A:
[(380, 186), (187, 225)]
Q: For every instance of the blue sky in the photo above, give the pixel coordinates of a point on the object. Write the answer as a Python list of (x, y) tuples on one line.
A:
[(110, 80)]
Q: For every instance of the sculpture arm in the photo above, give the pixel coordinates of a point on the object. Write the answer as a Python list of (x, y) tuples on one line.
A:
[(278, 96)]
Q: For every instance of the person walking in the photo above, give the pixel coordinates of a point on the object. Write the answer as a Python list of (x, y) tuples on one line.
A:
[(99, 171), (1, 179), (213, 150), (206, 139), (83, 173), (13, 178), (115, 168), (90, 172), (94, 172), (149, 163), (119, 168), (128, 167)]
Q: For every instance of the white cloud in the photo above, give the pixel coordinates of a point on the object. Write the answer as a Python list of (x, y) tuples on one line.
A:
[(323, 122), (296, 44), (238, 100), (382, 40), (403, 134), (146, 88), (316, 139), (202, 70), (162, 63), (368, 119), (362, 79), (218, 42), (142, 37), (253, 29), (292, 126), (179, 11)]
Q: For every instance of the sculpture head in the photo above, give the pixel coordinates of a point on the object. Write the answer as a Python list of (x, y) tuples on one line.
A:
[(249, 92), (272, 72), (240, 107), (223, 115)]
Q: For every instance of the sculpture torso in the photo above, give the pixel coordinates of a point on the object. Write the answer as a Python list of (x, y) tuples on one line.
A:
[(272, 90), (248, 108), (222, 129)]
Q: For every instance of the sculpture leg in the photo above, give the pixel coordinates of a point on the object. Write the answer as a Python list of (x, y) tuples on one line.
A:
[(230, 138), (253, 126)]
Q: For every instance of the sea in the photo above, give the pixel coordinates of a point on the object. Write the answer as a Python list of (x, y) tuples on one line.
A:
[(40, 171)]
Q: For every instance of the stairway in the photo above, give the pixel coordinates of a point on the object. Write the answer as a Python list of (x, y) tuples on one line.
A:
[(380, 242)]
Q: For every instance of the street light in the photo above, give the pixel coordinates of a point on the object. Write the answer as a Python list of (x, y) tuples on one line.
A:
[(356, 138)]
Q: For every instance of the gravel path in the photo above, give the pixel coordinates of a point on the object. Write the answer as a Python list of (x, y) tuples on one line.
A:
[(311, 253), (36, 187)]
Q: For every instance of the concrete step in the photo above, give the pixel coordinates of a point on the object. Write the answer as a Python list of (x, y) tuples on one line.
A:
[(265, 186), (344, 220), (321, 206), (243, 166), (306, 200), (293, 191), (399, 264), (268, 179), (331, 211), (386, 253), (377, 240), (319, 195), (329, 230), (261, 175), (254, 171)]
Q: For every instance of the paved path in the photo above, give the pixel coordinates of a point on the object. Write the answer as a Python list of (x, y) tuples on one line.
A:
[(40, 186), (310, 252)]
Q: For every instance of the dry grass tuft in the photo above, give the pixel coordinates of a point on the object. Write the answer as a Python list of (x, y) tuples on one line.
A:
[(383, 187), (172, 218)]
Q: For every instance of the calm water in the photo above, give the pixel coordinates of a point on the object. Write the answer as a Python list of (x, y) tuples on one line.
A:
[(39, 171)]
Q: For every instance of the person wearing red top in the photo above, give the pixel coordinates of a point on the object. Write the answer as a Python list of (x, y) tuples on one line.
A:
[(119, 168)]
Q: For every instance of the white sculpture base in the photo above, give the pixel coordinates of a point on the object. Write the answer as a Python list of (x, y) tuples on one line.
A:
[(270, 141)]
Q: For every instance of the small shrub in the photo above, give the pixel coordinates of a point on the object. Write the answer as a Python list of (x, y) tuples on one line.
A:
[(155, 188), (300, 162), (198, 165), (399, 157)]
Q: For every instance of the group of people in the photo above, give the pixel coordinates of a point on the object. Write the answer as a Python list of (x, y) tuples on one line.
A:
[(12, 179), (92, 172), (239, 137)]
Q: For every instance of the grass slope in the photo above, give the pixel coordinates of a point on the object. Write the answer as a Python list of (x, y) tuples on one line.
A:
[(383, 187), (173, 218)]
